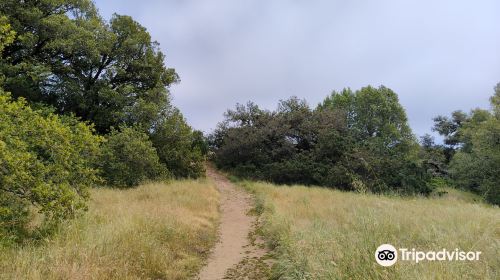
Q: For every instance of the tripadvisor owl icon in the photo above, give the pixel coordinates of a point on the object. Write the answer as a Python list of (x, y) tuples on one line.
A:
[(386, 255)]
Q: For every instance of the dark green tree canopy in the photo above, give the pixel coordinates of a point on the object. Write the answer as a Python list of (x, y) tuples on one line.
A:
[(448, 127), (475, 165), (59, 59), (353, 140), (65, 55)]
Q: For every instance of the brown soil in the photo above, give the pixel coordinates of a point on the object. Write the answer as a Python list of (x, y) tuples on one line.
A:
[(234, 252)]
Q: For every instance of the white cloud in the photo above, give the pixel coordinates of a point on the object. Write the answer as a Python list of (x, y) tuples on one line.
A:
[(437, 55)]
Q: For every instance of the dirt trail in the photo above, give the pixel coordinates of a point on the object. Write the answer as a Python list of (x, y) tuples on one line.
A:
[(234, 247)]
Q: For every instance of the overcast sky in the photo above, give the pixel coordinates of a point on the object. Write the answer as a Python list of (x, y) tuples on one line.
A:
[(438, 55)]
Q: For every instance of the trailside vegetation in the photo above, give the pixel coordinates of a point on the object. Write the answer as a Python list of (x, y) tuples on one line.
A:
[(83, 102), (46, 166), (360, 140), (154, 231), (354, 140), (66, 55), (473, 145), (129, 158), (319, 233), (111, 74)]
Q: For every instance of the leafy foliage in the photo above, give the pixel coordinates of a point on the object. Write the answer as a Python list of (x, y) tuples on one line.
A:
[(434, 157), (385, 152), (179, 148), (129, 158), (65, 55), (474, 139), (353, 140), (61, 57), (108, 73), (7, 35), (45, 163)]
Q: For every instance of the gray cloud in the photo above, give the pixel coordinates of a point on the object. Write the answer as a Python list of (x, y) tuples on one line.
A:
[(437, 55)]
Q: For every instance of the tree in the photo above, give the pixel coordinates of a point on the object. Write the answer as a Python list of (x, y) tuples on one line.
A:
[(449, 127), (476, 164), (108, 73), (427, 141), (384, 153), (495, 101), (43, 30), (353, 140), (66, 56), (433, 157)]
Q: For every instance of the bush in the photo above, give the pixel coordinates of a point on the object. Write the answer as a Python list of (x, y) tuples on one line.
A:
[(179, 148), (45, 164), (129, 158)]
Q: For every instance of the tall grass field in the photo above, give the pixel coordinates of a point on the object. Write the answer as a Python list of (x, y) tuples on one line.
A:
[(316, 233), (155, 231)]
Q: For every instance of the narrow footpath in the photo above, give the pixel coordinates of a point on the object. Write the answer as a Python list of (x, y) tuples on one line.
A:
[(235, 256)]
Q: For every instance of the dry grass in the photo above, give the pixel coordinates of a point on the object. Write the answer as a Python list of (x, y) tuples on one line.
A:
[(323, 234), (155, 231)]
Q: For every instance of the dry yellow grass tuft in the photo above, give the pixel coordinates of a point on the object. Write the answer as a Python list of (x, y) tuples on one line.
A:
[(155, 231), (318, 233)]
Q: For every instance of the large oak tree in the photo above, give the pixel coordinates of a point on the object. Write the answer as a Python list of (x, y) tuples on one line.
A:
[(65, 55)]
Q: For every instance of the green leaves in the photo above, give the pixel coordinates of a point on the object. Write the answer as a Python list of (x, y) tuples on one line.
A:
[(353, 140), (46, 162), (66, 56), (476, 165), (60, 53), (474, 141), (179, 149), (372, 112), (7, 35), (129, 158)]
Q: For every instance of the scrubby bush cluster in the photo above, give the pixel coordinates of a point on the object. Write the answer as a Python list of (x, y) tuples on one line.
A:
[(46, 163), (87, 103), (353, 141), (129, 158)]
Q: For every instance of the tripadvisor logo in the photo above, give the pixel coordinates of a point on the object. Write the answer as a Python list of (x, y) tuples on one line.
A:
[(387, 255)]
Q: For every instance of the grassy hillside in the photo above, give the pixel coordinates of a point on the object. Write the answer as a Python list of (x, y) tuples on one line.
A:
[(155, 231), (323, 234)]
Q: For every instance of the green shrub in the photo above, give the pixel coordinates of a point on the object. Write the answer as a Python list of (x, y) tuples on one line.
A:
[(179, 148), (129, 158), (45, 164), (14, 218)]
